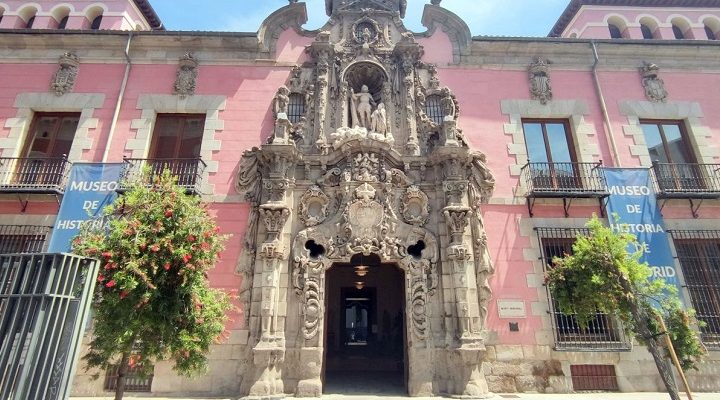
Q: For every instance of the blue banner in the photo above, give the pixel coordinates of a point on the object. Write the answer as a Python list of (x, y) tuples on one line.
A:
[(633, 200), (90, 188)]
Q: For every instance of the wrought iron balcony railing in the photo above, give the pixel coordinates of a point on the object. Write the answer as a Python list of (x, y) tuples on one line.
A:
[(684, 181), (23, 238), (34, 175), (564, 179), (188, 171)]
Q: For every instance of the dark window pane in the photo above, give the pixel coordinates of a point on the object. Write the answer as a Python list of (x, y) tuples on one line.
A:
[(63, 22), (615, 32), (177, 136), (646, 32), (655, 143), (192, 138), (296, 107), (434, 110), (676, 144), (678, 32), (96, 22), (30, 22), (710, 33), (535, 142)]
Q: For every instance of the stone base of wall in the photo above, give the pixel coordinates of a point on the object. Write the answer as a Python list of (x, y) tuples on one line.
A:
[(540, 369)]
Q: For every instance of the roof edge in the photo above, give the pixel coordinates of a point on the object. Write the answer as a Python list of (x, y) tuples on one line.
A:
[(150, 15)]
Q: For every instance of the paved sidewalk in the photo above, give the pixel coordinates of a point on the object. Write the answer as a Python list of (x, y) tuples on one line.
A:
[(583, 396)]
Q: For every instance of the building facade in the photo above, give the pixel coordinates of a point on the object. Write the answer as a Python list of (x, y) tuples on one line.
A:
[(393, 197)]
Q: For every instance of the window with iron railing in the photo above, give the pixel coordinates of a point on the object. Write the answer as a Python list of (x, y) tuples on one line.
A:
[(551, 153), (699, 256), (23, 238), (604, 332), (434, 109), (296, 107)]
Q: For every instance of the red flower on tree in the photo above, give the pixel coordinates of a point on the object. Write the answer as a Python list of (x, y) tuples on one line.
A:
[(110, 284)]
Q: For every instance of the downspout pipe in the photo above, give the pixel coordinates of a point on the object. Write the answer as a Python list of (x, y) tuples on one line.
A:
[(616, 162), (121, 96)]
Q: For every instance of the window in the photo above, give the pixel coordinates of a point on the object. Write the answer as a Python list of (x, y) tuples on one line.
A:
[(615, 32), (604, 331), (647, 33), (296, 107), (30, 22), (95, 25), (671, 155), (22, 238), (710, 33), (551, 154), (51, 135), (699, 256), (434, 110), (63, 22), (678, 32), (177, 136)]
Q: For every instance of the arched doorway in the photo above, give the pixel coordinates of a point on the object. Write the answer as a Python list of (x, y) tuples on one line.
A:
[(366, 336)]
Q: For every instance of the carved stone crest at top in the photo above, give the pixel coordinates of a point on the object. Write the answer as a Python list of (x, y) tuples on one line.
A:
[(539, 74), (64, 78), (186, 78), (653, 84), (313, 208)]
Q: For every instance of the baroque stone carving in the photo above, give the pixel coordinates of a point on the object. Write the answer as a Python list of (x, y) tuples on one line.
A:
[(361, 105), (415, 206), (313, 207), (64, 79), (653, 84), (281, 102), (186, 77), (539, 74), (366, 167)]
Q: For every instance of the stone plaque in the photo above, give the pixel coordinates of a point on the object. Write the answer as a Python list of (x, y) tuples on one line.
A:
[(511, 309)]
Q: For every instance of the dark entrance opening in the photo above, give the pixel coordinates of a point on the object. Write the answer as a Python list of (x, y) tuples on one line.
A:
[(365, 350)]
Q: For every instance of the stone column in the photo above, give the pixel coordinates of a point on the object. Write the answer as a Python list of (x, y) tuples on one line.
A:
[(311, 286), (420, 349)]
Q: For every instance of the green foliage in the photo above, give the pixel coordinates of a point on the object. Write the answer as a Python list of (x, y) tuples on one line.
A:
[(589, 280), (153, 300)]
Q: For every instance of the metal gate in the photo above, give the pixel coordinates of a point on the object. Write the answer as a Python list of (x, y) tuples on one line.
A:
[(44, 303)]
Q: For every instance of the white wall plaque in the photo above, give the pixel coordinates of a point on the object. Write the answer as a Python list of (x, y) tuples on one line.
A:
[(511, 309)]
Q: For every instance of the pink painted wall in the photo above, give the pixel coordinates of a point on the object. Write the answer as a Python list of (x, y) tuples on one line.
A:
[(117, 14), (589, 16)]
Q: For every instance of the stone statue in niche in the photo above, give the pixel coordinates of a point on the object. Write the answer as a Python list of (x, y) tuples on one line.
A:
[(282, 100), (653, 84), (447, 103), (64, 79), (361, 105), (539, 74), (379, 120)]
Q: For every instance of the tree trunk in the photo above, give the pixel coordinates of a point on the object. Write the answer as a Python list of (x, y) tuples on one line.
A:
[(641, 321), (123, 369)]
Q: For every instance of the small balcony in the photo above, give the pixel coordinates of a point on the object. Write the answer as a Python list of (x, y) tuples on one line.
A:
[(687, 181), (38, 175), (17, 239), (188, 171), (566, 181)]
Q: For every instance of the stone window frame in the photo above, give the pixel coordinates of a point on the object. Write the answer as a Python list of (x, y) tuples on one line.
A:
[(28, 104), (153, 104), (687, 113), (583, 133)]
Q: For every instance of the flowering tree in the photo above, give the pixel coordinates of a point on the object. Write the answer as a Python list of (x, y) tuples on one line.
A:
[(153, 301), (602, 275)]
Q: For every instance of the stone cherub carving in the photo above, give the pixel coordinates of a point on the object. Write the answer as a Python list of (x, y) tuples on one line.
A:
[(539, 75), (282, 100), (361, 106)]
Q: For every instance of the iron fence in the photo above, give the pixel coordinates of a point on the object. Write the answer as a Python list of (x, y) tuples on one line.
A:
[(23, 238), (34, 175), (699, 256), (681, 180), (133, 381), (604, 332), (188, 171), (44, 303), (559, 179)]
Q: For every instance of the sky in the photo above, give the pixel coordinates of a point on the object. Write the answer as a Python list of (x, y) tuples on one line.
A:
[(484, 17)]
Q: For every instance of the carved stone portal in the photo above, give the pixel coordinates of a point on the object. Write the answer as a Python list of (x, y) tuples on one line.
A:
[(363, 172)]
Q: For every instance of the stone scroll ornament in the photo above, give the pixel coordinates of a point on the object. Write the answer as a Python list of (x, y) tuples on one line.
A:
[(64, 79), (313, 209), (654, 86), (186, 77), (307, 280), (539, 75)]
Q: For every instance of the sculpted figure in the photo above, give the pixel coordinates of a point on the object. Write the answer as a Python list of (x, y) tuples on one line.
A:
[(362, 104), (447, 102), (282, 99), (379, 119)]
